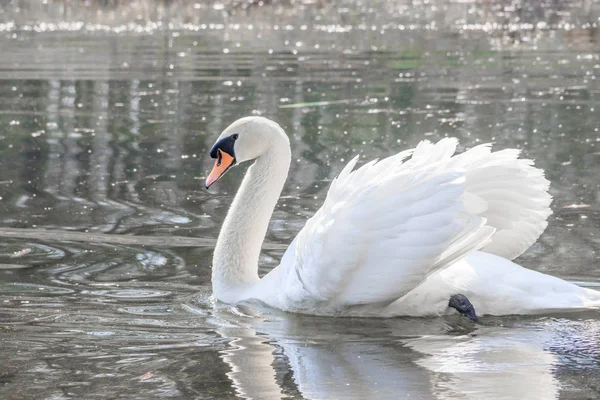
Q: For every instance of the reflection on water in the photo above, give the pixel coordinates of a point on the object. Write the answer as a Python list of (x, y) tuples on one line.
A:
[(361, 359), (478, 367), (106, 233)]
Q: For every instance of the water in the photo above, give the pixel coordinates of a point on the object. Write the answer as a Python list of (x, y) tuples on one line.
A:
[(107, 113)]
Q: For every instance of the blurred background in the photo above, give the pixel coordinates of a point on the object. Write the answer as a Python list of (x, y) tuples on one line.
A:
[(107, 112)]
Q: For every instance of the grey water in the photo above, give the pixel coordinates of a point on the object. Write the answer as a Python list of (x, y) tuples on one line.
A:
[(108, 110)]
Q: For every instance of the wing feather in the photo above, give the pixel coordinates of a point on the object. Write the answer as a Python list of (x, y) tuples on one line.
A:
[(515, 194), (389, 224)]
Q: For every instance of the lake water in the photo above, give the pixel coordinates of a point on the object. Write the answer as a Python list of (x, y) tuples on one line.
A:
[(106, 232)]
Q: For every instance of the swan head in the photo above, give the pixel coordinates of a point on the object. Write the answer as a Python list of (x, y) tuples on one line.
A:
[(461, 304), (244, 140)]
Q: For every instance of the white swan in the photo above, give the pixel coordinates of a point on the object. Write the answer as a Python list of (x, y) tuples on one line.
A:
[(394, 237)]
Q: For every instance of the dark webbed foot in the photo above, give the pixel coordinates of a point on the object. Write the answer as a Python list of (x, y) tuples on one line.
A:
[(461, 304)]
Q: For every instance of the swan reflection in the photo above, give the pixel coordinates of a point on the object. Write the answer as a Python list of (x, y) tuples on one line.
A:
[(250, 358), (370, 358), (496, 363)]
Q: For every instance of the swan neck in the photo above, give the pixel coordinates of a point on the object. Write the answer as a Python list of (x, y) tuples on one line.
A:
[(235, 261)]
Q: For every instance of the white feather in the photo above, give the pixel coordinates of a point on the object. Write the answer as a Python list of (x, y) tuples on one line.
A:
[(381, 230)]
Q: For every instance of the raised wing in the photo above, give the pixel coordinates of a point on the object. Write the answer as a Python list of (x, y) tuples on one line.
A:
[(510, 193), (386, 226), (381, 230)]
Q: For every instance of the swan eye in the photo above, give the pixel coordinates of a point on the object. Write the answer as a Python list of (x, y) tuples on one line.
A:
[(235, 136)]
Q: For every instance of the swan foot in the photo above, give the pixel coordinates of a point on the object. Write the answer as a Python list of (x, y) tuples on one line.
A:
[(461, 304)]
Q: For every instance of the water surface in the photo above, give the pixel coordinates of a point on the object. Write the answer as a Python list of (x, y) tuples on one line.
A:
[(106, 232)]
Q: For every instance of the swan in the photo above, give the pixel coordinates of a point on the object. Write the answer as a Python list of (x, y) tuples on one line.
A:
[(395, 237)]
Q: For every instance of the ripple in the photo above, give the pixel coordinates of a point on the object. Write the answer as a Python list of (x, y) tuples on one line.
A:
[(153, 310), (100, 263), (101, 333), (19, 254), (32, 288), (128, 293)]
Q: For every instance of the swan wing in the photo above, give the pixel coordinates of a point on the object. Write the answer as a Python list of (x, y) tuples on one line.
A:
[(510, 193), (381, 230)]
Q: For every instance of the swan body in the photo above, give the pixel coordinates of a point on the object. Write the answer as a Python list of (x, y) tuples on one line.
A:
[(394, 237), (495, 286)]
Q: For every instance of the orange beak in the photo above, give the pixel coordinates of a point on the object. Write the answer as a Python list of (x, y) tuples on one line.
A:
[(223, 162)]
